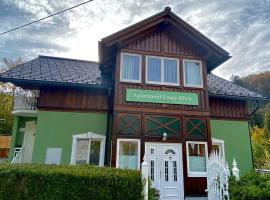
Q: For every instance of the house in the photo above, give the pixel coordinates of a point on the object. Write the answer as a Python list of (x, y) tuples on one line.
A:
[(152, 94)]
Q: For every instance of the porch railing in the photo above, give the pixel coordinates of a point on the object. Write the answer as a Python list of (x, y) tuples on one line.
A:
[(24, 102), (17, 155)]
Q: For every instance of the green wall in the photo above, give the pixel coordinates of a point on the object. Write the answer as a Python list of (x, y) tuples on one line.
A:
[(236, 141), (55, 129)]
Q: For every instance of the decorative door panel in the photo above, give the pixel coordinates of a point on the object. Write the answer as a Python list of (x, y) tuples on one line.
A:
[(165, 169)]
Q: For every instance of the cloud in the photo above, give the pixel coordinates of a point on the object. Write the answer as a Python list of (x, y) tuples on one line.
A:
[(241, 27)]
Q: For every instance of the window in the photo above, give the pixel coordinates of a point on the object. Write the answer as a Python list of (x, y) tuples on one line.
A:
[(163, 71), (88, 148), (218, 146), (196, 159), (193, 76), (130, 67), (128, 154)]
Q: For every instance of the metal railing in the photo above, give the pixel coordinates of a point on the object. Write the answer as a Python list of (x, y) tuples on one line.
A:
[(17, 155), (24, 102)]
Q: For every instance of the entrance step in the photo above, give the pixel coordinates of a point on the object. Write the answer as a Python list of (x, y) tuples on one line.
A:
[(196, 198)]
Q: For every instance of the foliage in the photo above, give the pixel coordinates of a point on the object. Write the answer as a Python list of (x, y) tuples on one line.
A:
[(252, 186), (68, 182), (261, 148), (6, 118), (153, 194)]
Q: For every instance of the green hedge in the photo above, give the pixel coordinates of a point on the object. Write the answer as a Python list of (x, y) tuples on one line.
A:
[(252, 186), (68, 182)]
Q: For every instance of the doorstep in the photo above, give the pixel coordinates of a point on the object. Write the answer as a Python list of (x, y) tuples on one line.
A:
[(195, 198)]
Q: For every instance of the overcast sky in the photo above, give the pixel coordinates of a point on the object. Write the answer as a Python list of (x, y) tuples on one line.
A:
[(242, 27)]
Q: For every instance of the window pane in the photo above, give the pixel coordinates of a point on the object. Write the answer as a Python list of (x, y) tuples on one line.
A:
[(192, 73), (131, 67), (94, 152), (197, 157), (154, 69), (128, 154), (82, 151), (170, 71)]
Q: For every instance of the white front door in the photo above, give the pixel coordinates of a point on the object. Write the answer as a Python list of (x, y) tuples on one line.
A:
[(28, 141), (165, 169)]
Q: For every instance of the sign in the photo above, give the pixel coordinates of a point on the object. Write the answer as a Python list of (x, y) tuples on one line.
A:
[(153, 96)]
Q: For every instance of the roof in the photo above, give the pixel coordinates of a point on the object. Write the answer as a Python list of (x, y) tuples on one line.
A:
[(47, 70), (213, 53), (218, 86)]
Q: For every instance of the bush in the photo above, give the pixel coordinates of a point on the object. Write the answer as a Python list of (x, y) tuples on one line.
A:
[(68, 182), (252, 186)]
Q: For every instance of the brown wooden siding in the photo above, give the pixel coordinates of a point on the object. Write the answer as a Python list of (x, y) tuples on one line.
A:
[(73, 99), (228, 108)]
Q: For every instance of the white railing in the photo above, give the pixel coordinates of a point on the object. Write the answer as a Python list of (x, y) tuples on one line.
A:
[(24, 102), (217, 177), (17, 155)]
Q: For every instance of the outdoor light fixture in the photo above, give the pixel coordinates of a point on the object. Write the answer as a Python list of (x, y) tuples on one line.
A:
[(164, 136)]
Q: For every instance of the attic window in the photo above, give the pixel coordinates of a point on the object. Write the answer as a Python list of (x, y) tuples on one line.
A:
[(193, 76), (130, 67), (162, 71)]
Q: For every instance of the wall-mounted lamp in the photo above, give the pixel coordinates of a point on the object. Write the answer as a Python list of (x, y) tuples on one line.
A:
[(164, 136)]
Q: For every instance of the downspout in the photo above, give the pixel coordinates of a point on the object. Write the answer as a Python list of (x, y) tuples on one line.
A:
[(249, 115), (109, 112)]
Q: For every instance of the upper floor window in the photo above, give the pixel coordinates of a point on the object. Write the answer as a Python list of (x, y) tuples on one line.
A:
[(130, 67), (193, 76), (163, 71)]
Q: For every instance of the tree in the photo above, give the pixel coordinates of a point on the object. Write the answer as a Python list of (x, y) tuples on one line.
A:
[(6, 118), (6, 97)]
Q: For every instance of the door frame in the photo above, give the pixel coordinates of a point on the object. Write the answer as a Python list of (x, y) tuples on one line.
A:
[(181, 173), (26, 150)]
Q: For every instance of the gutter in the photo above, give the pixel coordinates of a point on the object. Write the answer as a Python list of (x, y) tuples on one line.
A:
[(108, 128)]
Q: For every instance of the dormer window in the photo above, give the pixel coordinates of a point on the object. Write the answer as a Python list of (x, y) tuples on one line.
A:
[(130, 67), (162, 71), (193, 76)]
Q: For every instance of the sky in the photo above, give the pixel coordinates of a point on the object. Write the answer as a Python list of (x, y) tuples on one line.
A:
[(242, 27)]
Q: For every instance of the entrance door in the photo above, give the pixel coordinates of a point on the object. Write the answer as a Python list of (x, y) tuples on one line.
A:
[(165, 169), (28, 142)]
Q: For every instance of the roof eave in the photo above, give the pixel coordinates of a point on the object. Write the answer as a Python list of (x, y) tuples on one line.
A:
[(39, 83), (238, 97)]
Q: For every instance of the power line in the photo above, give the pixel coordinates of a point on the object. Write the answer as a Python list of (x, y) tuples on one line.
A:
[(38, 20)]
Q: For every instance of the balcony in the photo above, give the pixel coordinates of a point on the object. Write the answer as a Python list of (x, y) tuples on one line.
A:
[(25, 104)]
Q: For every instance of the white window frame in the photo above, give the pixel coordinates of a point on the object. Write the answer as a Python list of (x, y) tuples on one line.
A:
[(128, 140), (90, 136), (140, 68), (162, 82), (201, 73), (196, 174), (220, 143)]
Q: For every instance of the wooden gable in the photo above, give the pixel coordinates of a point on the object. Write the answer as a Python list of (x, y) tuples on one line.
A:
[(162, 41)]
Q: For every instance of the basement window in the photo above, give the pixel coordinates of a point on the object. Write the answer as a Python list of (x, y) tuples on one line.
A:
[(162, 71), (130, 67), (128, 154), (196, 158)]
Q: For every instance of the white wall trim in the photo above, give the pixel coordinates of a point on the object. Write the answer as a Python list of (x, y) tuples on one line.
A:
[(91, 136), (139, 151), (196, 174)]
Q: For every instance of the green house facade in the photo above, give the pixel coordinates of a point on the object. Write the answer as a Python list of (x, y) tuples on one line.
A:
[(152, 95)]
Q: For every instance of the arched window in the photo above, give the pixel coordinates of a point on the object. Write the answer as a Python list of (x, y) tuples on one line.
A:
[(88, 148)]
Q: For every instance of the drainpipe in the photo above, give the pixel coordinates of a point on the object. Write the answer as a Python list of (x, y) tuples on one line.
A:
[(109, 112), (249, 115)]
